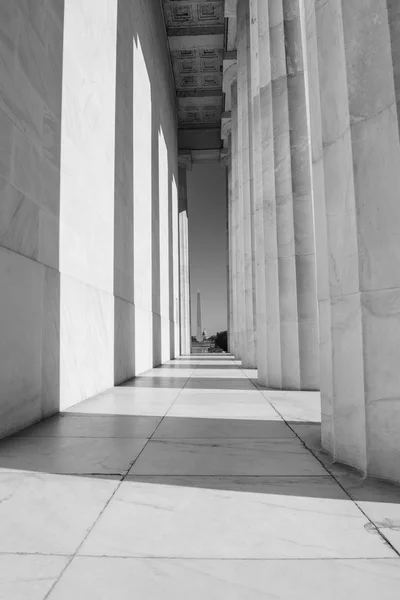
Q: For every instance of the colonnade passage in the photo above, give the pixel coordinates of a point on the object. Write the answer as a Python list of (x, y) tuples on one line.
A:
[(311, 135), (190, 481)]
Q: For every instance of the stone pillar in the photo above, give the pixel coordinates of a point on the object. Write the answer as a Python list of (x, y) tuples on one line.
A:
[(268, 312), (237, 236), (244, 173), (376, 171), (185, 337), (303, 221), (257, 191), (312, 72), (231, 343), (289, 333), (226, 161), (354, 128)]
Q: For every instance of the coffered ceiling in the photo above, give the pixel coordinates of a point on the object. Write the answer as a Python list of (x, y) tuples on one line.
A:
[(196, 34)]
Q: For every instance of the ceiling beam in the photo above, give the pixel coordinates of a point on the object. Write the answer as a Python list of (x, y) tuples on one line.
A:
[(190, 31), (198, 93)]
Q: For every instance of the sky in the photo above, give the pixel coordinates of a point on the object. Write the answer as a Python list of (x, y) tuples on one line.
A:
[(208, 245)]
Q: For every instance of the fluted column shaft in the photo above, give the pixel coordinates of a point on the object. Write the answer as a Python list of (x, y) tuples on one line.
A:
[(184, 266), (231, 252), (342, 388), (244, 175), (257, 192), (289, 333), (356, 157), (376, 171), (302, 200), (238, 300), (268, 311)]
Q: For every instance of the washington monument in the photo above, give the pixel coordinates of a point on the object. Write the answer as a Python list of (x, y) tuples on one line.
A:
[(199, 327)]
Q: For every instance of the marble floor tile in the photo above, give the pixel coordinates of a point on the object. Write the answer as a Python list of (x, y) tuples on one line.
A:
[(49, 514), (379, 500), (160, 382), (296, 406), (128, 401), (248, 517), (206, 364), (168, 371), (219, 372), (104, 456), (250, 373), (221, 404), (218, 383), (105, 578), (181, 427), (226, 457), (94, 426), (28, 577)]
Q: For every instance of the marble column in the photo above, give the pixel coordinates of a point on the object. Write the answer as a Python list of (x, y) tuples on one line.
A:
[(237, 236), (322, 212), (184, 164), (354, 128), (303, 221), (265, 227), (227, 162), (257, 192), (289, 333), (245, 176), (376, 172), (229, 140)]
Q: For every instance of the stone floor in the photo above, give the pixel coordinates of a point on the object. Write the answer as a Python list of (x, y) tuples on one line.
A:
[(189, 482)]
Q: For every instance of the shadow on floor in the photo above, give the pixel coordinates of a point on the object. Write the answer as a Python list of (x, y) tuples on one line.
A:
[(258, 455)]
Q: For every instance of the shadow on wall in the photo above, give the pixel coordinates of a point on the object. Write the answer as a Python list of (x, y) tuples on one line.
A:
[(31, 47), (83, 229), (145, 267)]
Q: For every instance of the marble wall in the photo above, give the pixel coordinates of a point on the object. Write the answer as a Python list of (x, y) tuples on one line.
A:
[(86, 219), (31, 44)]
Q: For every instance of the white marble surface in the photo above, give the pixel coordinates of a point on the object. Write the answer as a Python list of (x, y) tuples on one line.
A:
[(49, 514), (86, 341), (296, 406), (223, 404), (88, 142), (211, 518), (28, 577), (151, 402), (102, 578)]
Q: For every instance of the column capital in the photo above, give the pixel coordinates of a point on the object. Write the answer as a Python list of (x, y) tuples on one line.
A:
[(225, 156), (185, 159), (226, 125), (229, 75)]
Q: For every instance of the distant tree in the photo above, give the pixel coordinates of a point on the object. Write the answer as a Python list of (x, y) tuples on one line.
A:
[(221, 340)]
